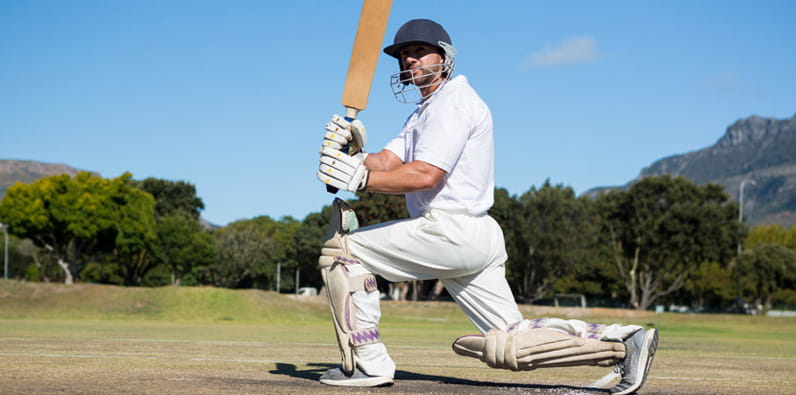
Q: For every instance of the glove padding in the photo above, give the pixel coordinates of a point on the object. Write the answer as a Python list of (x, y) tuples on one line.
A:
[(342, 171), (341, 133)]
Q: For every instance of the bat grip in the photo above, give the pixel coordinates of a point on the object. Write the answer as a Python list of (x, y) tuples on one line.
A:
[(350, 115)]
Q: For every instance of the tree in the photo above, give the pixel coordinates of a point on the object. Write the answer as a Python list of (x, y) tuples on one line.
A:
[(507, 211), (764, 270), (75, 218), (282, 253), (182, 245), (711, 284), (308, 241), (374, 208), (23, 259), (662, 229), (242, 249), (558, 230), (172, 197), (772, 234)]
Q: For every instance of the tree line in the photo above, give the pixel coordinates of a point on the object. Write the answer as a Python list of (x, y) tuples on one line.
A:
[(663, 240)]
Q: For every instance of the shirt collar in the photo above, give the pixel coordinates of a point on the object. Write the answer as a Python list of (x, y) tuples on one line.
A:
[(425, 102)]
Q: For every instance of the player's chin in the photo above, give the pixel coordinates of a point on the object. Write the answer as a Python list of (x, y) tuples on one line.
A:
[(425, 79)]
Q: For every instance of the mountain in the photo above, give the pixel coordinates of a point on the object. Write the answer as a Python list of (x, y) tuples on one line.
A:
[(760, 152), (27, 171)]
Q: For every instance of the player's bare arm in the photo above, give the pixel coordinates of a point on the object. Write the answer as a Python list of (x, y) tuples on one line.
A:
[(404, 178), (384, 160)]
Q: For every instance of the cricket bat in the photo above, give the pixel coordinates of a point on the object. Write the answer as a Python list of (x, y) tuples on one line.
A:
[(364, 57)]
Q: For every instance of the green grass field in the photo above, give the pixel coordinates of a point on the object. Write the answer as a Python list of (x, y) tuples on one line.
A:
[(102, 339)]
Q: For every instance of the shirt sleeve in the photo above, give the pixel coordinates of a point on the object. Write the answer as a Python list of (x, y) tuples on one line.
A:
[(397, 146)]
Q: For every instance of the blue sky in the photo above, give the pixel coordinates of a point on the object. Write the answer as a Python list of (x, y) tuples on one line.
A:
[(232, 96)]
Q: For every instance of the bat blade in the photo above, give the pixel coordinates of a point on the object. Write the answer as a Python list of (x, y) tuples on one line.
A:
[(364, 57), (365, 54)]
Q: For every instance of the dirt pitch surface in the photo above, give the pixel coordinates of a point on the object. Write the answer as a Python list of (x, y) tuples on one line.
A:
[(56, 356)]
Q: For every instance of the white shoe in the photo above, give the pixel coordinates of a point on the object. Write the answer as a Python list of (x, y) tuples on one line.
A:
[(639, 351), (358, 379)]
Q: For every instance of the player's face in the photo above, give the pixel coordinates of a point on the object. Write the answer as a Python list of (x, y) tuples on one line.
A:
[(424, 64)]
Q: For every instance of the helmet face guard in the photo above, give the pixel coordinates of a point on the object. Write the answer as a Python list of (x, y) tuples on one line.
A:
[(407, 90), (419, 31)]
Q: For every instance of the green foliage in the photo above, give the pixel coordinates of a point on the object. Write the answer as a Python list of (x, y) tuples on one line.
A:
[(375, 208), (20, 255), (662, 228), (172, 197), (101, 272), (308, 241), (77, 218), (282, 252), (182, 245), (772, 234), (765, 270), (552, 234), (249, 251), (663, 239), (506, 210), (711, 284)]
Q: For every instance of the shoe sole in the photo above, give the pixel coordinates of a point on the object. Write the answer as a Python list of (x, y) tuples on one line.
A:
[(359, 382), (648, 348)]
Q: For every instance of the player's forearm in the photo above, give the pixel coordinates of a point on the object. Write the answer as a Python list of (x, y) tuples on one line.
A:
[(382, 161), (411, 177)]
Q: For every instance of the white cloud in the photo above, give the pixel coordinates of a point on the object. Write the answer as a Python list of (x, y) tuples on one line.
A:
[(571, 51), (724, 82)]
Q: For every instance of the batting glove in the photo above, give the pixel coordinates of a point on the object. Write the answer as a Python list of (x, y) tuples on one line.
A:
[(343, 171), (341, 133)]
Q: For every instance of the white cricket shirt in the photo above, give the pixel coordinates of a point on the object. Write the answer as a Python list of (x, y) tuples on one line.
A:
[(451, 130)]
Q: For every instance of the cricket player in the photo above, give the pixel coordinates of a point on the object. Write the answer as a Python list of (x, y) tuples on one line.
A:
[(443, 161)]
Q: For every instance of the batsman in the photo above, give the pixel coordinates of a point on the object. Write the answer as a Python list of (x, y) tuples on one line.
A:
[(443, 162)]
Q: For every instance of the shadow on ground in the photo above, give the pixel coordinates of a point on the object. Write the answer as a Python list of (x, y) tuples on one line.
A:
[(425, 381)]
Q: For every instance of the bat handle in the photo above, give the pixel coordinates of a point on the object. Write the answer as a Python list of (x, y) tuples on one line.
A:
[(350, 115)]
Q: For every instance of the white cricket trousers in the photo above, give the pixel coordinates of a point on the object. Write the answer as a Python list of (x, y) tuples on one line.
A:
[(467, 253)]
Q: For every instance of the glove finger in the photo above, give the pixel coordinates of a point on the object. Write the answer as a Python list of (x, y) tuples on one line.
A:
[(337, 137), (341, 122), (341, 171), (341, 156), (333, 172), (332, 145), (332, 181), (336, 129)]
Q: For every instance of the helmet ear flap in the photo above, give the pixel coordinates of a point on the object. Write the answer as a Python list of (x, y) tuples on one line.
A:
[(449, 57)]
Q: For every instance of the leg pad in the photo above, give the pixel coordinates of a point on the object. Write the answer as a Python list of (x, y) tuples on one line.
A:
[(342, 222), (341, 284), (538, 348)]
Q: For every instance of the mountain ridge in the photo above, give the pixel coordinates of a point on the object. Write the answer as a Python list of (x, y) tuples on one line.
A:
[(27, 171), (758, 151)]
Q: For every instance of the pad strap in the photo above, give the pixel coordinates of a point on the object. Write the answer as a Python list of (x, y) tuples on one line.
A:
[(365, 336)]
